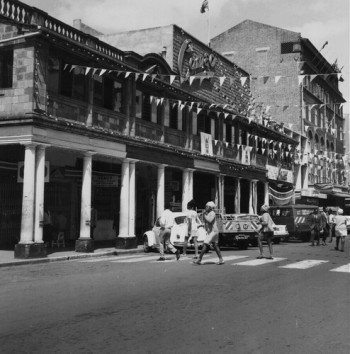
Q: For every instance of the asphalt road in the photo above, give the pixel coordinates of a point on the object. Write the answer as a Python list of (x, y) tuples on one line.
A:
[(132, 304)]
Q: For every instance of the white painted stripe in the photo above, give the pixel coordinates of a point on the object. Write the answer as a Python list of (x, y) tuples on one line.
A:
[(343, 269), (136, 259), (257, 262), (101, 259), (308, 263)]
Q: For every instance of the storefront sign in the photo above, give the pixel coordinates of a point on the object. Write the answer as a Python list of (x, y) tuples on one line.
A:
[(313, 193), (105, 181), (279, 174), (197, 63), (245, 155)]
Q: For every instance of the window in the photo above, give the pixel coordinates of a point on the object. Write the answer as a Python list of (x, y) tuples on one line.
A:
[(54, 74), (74, 83), (203, 123), (108, 93), (6, 68)]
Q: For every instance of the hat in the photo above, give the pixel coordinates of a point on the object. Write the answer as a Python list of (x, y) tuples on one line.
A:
[(264, 207), (340, 211), (211, 205)]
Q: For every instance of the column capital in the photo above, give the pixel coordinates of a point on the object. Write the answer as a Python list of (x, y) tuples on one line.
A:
[(89, 153)]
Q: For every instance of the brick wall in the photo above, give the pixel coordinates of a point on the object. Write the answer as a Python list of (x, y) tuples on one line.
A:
[(256, 48), (19, 98)]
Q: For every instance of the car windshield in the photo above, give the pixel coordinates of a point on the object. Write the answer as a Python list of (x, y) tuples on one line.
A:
[(180, 219)]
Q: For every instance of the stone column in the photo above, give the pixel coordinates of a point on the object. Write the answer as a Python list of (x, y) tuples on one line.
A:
[(237, 195), (26, 247), (160, 189), (185, 188), (254, 196), (221, 203), (125, 240), (85, 243), (39, 194), (266, 193), (132, 187)]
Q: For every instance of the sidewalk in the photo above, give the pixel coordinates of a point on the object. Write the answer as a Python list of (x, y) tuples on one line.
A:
[(7, 257)]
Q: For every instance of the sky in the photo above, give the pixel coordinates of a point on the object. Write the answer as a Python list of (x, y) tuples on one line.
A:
[(317, 20)]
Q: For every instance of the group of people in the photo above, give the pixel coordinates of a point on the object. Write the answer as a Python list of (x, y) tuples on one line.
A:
[(212, 232), (324, 223)]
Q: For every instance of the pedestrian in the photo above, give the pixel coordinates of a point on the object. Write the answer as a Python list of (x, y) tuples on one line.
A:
[(324, 225), (341, 232), (192, 217), (314, 221), (331, 225), (212, 230), (166, 222), (266, 231)]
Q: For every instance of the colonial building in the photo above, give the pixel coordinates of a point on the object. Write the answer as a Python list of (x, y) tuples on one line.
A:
[(298, 87), (85, 123)]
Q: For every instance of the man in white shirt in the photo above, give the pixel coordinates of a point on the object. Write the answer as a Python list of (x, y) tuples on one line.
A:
[(166, 221)]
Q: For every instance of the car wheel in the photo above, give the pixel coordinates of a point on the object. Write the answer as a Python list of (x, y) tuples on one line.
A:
[(146, 247), (306, 237), (276, 241)]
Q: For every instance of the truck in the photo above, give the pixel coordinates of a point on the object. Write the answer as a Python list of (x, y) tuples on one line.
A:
[(241, 230)]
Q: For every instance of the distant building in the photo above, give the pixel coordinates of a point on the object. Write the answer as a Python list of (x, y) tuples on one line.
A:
[(298, 87)]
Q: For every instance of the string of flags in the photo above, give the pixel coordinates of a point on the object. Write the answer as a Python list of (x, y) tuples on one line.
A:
[(242, 79)]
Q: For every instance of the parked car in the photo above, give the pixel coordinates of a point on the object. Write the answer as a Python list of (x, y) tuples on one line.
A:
[(177, 236)]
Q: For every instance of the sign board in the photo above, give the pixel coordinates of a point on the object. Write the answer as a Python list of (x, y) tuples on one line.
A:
[(206, 144), (105, 181)]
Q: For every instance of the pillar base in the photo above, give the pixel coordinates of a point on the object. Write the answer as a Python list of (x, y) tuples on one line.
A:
[(84, 245), (126, 242), (30, 250)]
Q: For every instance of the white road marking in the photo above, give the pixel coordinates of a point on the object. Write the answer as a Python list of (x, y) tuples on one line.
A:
[(101, 259), (257, 262), (343, 269), (136, 259), (308, 263)]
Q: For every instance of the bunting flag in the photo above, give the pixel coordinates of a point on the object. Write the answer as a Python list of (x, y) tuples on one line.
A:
[(172, 78), (300, 79), (243, 80), (222, 79), (277, 78)]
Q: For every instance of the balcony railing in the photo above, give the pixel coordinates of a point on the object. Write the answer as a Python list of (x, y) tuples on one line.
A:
[(67, 108), (24, 14)]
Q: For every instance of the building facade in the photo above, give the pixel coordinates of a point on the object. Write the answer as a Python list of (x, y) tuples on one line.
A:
[(87, 124), (295, 85)]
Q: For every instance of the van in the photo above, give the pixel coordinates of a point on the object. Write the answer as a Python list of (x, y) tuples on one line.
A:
[(295, 217)]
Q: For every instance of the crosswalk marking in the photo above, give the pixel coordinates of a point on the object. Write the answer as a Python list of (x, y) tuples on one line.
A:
[(257, 262), (343, 269), (305, 264), (308, 263)]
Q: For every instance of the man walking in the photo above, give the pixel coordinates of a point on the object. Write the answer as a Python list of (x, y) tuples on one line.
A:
[(212, 237), (166, 221)]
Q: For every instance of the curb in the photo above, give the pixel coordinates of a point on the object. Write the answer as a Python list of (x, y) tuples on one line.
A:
[(68, 258)]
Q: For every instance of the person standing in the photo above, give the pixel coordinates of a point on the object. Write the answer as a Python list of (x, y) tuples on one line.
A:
[(48, 227), (331, 224), (340, 230), (324, 225), (166, 222), (266, 231), (192, 228), (212, 230), (314, 221)]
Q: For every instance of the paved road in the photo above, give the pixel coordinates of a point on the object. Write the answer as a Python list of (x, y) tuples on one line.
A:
[(297, 303)]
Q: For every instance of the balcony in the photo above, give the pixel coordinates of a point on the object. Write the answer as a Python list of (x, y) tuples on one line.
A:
[(66, 108)]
